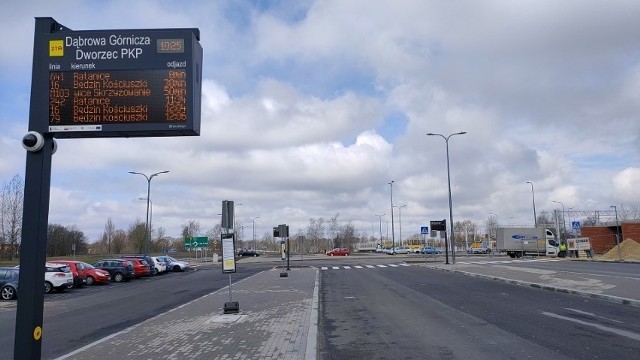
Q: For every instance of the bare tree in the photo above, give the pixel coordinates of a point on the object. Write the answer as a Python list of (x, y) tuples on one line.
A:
[(119, 242), (109, 229), (190, 229), (137, 236), (11, 202)]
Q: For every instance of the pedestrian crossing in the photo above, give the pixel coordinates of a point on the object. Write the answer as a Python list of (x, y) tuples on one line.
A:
[(357, 267), (513, 261)]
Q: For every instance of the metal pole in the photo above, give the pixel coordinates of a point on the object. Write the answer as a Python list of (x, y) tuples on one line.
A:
[(380, 219), (453, 238), (255, 242), (148, 229), (393, 233), (615, 208), (533, 195)]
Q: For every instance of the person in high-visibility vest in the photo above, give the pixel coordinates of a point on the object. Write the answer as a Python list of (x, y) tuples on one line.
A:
[(563, 250)]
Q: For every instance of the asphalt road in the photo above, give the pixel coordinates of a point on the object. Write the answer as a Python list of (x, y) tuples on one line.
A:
[(411, 312), (78, 317)]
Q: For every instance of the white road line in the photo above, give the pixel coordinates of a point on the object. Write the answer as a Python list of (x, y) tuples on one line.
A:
[(347, 267), (593, 315), (404, 265), (382, 266), (394, 265), (625, 333), (358, 267), (335, 267), (370, 266), (324, 268)]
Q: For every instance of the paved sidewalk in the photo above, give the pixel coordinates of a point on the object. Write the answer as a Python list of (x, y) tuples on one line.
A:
[(610, 288), (277, 320)]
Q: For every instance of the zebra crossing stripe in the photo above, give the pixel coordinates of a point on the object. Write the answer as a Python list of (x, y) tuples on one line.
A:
[(358, 267), (335, 267), (370, 266), (382, 266), (324, 268), (347, 267), (394, 265)]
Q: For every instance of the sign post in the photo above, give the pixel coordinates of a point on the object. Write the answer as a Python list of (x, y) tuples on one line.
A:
[(442, 226), (85, 84)]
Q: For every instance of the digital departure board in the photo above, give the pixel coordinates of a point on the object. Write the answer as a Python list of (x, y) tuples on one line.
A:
[(120, 83)]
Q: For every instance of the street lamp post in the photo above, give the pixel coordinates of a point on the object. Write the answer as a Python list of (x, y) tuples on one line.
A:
[(453, 239), (615, 208), (400, 219), (253, 236), (380, 218), (533, 195), (393, 233), (564, 223), (148, 237), (150, 211)]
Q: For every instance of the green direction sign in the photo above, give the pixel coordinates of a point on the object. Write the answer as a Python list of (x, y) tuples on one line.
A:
[(196, 242)]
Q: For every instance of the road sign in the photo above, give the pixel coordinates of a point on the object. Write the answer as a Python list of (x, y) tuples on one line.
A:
[(439, 225), (424, 230), (575, 225), (197, 242)]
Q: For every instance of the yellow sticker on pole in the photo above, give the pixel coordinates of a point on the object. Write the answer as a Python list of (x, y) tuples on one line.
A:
[(37, 333)]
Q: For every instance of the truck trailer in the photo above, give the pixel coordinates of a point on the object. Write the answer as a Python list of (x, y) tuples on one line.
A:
[(518, 242)]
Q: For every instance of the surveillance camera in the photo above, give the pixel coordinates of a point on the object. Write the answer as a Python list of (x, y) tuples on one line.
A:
[(33, 141)]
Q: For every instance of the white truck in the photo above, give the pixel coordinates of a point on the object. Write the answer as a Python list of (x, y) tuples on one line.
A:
[(518, 242)]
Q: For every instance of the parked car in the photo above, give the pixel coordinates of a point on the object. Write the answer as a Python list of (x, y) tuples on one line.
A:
[(96, 276), (478, 250), (248, 252), (160, 265), (153, 267), (140, 267), (173, 264), (400, 250), (119, 269), (339, 252), (77, 270), (57, 277), (430, 250), (9, 283)]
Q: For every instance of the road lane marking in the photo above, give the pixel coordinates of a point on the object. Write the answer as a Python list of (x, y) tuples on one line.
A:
[(625, 333), (593, 315), (347, 267), (382, 266), (335, 267), (358, 267), (324, 268), (370, 266)]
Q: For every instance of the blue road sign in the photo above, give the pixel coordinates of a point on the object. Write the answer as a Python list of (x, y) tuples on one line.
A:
[(424, 230), (575, 225)]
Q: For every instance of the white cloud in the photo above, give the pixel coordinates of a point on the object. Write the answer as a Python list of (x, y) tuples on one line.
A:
[(310, 110)]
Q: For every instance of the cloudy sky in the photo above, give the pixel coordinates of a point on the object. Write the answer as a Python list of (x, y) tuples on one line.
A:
[(310, 108)]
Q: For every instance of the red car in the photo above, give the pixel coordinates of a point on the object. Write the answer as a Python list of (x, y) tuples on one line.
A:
[(96, 276), (84, 273), (140, 266), (339, 252), (77, 269)]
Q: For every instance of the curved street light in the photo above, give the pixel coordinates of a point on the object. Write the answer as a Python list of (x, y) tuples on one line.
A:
[(148, 237), (564, 223), (453, 239), (253, 236), (400, 219), (533, 195), (380, 218), (393, 233)]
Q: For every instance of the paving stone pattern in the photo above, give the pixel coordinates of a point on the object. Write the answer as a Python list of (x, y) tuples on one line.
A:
[(273, 323)]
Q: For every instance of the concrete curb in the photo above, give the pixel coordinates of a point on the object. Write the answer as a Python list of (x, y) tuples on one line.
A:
[(609, 298)]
